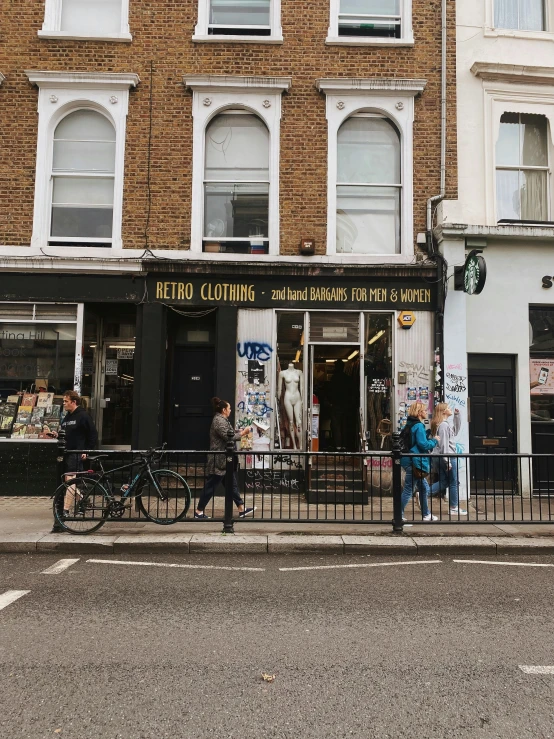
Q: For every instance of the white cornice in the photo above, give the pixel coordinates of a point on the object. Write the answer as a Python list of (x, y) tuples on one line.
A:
[(495, 71), (214, 82), (385, 85), (88, 80)]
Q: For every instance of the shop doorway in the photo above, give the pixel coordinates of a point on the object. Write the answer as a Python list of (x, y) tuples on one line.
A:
[(492, 419), (193, 389), (334, 398)]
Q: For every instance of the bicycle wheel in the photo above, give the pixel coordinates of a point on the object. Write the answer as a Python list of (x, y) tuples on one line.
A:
[(173, 503), (88, 510)]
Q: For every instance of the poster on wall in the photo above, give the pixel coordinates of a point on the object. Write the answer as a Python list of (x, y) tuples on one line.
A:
[(541, 373)]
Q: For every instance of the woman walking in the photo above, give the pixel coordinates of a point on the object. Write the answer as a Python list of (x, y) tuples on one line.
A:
[(417, 468), (447, 466), (215, 469)]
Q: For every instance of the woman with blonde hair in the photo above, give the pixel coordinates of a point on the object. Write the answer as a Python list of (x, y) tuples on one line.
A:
[(447, 466), (417, 468)]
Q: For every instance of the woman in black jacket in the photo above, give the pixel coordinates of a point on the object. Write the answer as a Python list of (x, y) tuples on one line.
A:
[(215, 469)]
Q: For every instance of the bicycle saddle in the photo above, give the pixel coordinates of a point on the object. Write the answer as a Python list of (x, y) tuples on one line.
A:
[(97, 456)]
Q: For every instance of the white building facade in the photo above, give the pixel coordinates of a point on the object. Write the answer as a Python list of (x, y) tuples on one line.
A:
[(499, 345)]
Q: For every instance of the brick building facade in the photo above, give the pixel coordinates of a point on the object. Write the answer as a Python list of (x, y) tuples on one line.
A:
[(145, 74)]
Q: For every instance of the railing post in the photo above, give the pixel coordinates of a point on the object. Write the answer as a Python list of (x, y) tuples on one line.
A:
[(397, 524), (60, 469), (230, 456)]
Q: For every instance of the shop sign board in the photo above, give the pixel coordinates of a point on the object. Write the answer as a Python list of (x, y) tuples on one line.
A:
[(297, 293), (475, 273)]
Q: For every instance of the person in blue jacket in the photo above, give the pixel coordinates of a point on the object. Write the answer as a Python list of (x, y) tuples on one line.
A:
[(415, 432)]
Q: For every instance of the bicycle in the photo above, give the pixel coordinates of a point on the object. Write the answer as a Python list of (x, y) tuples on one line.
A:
[(163, 496)]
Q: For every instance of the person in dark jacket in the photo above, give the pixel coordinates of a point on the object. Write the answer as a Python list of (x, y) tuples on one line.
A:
[(216, 466), (415, 466), (80, 433)]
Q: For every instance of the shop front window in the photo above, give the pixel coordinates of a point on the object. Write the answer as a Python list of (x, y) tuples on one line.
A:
[(541, 364), (290, 382), (378, 380)]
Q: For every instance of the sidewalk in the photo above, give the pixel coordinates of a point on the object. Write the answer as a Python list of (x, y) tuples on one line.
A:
[(25, 525)]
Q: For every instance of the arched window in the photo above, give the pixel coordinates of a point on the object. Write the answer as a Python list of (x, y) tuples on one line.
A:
[(236, 184), (368, 186), (83, 168)]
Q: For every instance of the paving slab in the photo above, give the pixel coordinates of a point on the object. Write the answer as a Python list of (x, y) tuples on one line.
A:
[(86, 544), (524, 545), (19, 542), (283, 543), (144, 543), (236, 543), (379, 544), (455, 545)]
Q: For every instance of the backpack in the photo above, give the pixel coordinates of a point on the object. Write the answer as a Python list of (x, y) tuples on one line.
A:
[(406, 439)]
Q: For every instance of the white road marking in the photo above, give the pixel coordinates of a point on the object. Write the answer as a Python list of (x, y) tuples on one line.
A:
[(10, 596), (184, 567), (377, 564), (60, 566), (537, 669), (506, 564)]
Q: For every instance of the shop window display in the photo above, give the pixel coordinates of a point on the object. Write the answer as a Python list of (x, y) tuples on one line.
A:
[(541, 364), (290, 363), (378, 379)]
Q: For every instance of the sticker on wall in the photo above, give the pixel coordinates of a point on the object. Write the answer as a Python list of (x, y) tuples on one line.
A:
[(111, 366), (256, 372), (411, 394), (424, 394)]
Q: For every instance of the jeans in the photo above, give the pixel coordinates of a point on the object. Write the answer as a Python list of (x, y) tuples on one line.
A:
[(209, 489), (448, 478), (422, 485)]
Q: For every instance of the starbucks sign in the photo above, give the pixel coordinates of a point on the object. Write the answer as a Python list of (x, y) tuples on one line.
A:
[(475, 273)]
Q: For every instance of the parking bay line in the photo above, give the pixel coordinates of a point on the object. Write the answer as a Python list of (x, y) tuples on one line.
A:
[(10, 596), (505, 564), (537, 669), (357, 566), (179, 566), (59, 566)]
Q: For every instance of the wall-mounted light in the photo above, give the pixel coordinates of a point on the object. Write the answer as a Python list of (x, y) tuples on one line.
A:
[(307, 247)]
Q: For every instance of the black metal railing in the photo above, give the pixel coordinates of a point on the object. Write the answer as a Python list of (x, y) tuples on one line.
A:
[(317, 487)]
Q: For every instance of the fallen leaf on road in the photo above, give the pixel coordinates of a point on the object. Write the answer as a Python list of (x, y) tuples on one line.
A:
[(267, 678), (57, 731)]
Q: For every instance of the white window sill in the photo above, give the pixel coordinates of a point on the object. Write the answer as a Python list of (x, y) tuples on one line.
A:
[(124, 37), (222, 39), (374, 41), (517, 33)]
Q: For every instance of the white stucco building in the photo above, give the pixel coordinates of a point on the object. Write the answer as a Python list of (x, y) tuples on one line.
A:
[(499, 345)]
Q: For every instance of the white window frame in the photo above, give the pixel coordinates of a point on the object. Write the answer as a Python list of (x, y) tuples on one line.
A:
[(546, 35), (201, 34), (51, 27), (61, 93), (394, 99), (508, 88), (212, 95), (406, 38)]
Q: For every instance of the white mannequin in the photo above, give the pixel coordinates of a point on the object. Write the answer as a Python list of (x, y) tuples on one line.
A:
[(292, 378)]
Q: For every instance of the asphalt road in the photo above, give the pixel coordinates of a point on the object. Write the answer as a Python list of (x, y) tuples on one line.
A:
[(418, 650)]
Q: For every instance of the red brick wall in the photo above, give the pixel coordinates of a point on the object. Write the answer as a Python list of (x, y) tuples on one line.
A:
[(162, 34)]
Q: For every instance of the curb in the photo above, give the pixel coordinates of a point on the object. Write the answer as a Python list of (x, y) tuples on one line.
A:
[(272, 543)]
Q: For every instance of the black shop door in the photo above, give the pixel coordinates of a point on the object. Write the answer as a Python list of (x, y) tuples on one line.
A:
[(192, 390), (492, 419)]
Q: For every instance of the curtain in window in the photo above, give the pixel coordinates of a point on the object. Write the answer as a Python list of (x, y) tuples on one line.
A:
[(236, 177), (368, 186), (526, 15), (240, 12), (533, 195), (83, 176), (92, 17)]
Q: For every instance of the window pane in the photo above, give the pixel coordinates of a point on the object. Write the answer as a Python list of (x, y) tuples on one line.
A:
[(82, 190), (507, 194), (240, 12), (237, 148), (237, 210), (507, 146), (505, 13), (81, 222), (100, 17), (368, 152), (80, 156), (85, 125), (533, 141), (533, 187), (370, 7), (531, 15), (368, 220)]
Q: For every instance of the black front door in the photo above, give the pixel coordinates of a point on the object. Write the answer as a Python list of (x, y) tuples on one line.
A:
[(192, 391), (491, 426)]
